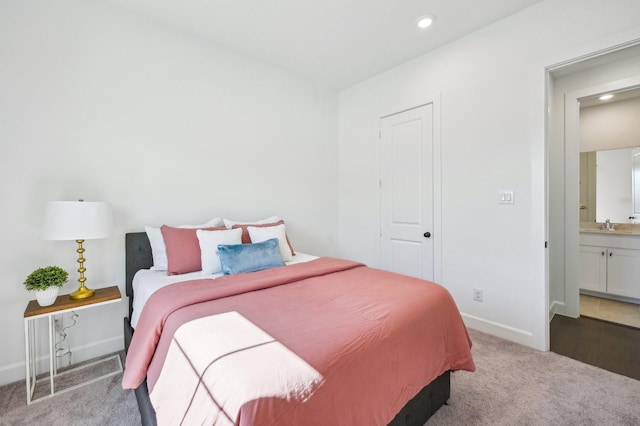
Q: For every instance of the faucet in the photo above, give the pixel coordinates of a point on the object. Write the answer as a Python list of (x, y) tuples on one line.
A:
[(608, 226)]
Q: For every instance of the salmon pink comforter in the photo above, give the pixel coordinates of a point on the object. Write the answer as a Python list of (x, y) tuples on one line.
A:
[(323, 342)]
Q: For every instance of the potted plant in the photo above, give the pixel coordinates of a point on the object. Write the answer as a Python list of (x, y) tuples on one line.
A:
[(46, 282)]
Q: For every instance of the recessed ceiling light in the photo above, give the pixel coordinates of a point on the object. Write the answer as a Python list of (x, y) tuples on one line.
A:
[(426, 21), (606, 97)]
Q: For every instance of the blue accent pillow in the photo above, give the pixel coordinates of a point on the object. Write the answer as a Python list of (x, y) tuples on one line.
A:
[(237, 258)]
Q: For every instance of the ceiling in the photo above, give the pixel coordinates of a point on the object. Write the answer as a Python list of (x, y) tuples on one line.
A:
[(334, 42), (618, 96)]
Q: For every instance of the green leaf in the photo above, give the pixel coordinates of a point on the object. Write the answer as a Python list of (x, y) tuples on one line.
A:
[(43, 278)]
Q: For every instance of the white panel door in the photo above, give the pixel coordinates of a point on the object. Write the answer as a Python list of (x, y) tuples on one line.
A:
[(406, 189)]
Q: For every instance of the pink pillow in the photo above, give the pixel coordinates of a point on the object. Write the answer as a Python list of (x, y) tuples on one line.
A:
[(246, 238), (183, 248)]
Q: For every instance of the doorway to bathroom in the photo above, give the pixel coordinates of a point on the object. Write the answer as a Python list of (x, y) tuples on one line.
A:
[(609, 199), (581, 323), (569, 86)]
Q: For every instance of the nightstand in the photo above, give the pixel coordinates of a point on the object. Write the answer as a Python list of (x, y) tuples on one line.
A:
[(63, 304)]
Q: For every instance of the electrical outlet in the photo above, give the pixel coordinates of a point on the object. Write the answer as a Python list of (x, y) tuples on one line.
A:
[(58, 324), (477, 294)]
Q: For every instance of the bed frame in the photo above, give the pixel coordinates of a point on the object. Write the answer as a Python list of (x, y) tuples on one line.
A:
[(138, 256)]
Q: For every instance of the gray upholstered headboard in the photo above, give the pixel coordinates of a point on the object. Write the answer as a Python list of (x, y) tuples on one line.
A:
[(138, 256)]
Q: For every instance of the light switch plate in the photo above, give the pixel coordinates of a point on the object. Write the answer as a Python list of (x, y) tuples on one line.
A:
[(505, 197)]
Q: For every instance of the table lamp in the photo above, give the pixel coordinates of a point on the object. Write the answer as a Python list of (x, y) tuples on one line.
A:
[(79, 221)]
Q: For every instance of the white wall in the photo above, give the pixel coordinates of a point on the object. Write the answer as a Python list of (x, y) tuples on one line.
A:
[(100, 104), (610, 125), (492, 126)]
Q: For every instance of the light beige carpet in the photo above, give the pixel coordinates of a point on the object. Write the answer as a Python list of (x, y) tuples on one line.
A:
[(99, 403), (514, 385)]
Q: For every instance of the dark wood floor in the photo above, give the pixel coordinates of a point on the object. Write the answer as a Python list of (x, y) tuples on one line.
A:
[(613, 347)]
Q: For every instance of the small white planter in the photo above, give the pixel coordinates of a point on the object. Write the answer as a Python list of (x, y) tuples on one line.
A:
[(47, 297)]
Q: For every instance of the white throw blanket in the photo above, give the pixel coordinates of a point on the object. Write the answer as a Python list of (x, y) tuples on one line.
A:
[(237, 363)]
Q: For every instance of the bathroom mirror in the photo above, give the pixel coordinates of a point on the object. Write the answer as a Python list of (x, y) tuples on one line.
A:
[(610, 185)]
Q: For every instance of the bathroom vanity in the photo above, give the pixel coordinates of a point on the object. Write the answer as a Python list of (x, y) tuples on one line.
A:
[(610, 260)]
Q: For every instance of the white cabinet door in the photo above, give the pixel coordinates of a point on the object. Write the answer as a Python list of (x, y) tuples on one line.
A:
[(593, 268), (623, 272)]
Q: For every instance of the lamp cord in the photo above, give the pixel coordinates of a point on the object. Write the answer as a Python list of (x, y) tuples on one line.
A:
[(64, 339)]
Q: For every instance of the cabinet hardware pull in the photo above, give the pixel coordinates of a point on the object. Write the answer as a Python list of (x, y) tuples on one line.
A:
[(610, 253), (603, 253)]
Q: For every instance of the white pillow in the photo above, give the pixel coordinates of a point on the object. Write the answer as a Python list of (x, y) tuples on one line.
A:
[(262, 234), (216, 221), (209, 241), (159, 250), (229, 223)]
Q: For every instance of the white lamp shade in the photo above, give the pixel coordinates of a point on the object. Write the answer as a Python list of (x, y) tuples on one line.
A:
[(77, 220)]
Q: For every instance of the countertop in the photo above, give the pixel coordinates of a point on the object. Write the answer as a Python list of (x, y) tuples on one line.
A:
[(621, 228)]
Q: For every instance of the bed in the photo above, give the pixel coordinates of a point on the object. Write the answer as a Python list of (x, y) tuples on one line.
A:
[(414, 409)]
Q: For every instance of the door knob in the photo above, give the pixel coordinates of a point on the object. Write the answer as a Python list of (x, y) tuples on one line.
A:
[(427, 234)]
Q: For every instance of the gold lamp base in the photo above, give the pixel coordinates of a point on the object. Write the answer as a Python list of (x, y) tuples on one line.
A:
[(82, 293)]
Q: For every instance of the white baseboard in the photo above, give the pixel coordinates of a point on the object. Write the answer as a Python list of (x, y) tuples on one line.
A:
[(556, 307), (96, 349), (12, 373), (500, 330), (15, 372)]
